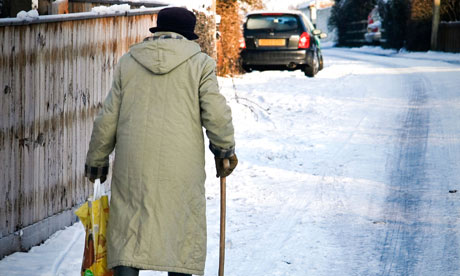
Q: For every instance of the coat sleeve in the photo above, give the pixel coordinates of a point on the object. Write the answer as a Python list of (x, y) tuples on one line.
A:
[(216, 115), (104, 131)]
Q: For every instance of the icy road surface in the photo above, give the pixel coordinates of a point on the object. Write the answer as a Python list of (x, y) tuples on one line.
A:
[(348, 173)]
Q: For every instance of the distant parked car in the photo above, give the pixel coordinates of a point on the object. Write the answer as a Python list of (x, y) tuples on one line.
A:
[(279, 41), (374, 26)]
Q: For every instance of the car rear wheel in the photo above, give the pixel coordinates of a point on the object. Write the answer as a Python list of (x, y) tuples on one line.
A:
[(321, 63), (312, 69)]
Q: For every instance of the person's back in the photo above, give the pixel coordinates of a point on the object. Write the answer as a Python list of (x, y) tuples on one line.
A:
[(164, 91)]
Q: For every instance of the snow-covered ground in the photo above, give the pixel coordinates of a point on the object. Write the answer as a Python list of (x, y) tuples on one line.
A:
[(347, 173)]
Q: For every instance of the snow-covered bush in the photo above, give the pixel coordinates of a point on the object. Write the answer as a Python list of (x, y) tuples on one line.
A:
[(230, 29), (206, 30)]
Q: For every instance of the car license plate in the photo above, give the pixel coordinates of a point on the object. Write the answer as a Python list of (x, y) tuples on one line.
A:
[(272, 42)]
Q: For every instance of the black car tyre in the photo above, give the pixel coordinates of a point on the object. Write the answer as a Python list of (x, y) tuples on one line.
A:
[(312, 69), (321, 64)]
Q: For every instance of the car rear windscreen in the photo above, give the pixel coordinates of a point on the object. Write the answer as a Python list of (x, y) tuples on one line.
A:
[(283, 22)]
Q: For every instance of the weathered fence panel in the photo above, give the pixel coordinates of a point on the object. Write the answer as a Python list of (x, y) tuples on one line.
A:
[(449, 37), (205, 25), (354, 35), (54, 74)]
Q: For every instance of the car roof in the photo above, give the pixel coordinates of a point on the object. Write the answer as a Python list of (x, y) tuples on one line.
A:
[(293, 12), (290, 12)]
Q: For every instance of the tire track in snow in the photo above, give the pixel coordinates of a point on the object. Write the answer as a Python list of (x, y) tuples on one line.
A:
[(407, 234)]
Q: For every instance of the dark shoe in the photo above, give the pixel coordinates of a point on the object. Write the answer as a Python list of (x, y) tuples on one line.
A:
[(178, 274), (125, 271)]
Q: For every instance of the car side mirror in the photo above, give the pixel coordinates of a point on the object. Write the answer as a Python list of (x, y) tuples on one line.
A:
[(317, 32)]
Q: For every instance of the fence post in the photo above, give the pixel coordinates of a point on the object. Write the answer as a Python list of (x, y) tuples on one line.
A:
[(434, 29)]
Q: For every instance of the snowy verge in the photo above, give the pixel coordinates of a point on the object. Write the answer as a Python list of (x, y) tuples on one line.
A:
[(432, 55)]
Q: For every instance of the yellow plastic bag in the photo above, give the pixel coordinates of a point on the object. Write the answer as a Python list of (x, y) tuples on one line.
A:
[(94, 215)]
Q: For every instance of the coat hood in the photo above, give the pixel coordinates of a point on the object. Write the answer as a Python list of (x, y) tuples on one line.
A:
[(161, 56)]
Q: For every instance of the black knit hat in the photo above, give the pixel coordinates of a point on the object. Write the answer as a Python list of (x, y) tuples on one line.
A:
[(178, 20)]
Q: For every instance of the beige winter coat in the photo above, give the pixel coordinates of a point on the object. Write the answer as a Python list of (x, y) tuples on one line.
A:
[(164, 91)]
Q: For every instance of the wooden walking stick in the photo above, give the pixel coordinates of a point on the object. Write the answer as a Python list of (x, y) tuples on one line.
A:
[(226, 165)]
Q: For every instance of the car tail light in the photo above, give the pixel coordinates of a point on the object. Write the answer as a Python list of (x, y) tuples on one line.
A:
[(304, 41), (242, 43), (370, 20)]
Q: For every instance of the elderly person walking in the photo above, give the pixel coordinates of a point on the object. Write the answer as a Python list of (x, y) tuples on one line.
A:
[(164, 91)]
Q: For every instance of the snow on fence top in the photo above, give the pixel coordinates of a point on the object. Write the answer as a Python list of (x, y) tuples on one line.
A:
[(142, 2), (147, 3), (24, 19), (199, 5)]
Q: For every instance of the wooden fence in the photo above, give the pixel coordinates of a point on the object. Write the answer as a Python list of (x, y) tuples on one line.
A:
[(54, 74), (354, 35), (449, 37), (205, 24)]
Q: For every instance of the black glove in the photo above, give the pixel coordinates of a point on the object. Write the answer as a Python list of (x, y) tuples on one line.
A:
[(102, 178), (224, 172)]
